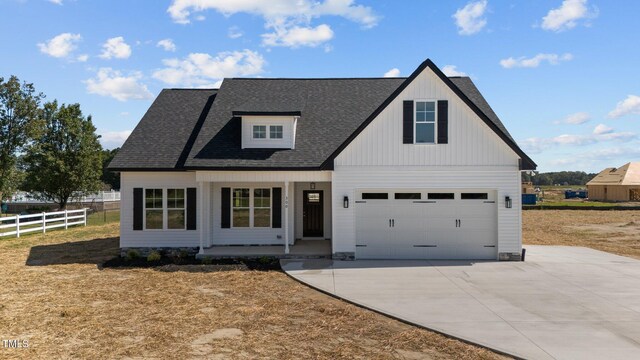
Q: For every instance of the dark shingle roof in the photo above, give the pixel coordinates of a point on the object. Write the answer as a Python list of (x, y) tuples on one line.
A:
[(160, 139), (331, 109), (188, 129)]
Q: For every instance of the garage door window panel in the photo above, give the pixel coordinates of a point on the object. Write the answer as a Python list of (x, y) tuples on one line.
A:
[(408, 196), (441, 196), (474, 196), (375, 196)]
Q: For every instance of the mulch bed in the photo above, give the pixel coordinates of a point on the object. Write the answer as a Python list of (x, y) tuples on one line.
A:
[(190, 263)]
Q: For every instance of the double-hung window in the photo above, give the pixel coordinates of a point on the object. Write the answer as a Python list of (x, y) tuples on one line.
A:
[(164, 209), (241, 208), (425, 122), (153, 209), (261, 207), (175, 209), (251, 208)]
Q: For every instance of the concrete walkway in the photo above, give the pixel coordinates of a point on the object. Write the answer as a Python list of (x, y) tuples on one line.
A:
[(562, 303)]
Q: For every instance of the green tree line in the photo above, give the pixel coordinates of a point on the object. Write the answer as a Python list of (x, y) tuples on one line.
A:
[(560, 177), (48, 149)]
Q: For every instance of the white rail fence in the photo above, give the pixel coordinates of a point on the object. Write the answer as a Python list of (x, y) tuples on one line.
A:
[(21, 224), (103, 196)]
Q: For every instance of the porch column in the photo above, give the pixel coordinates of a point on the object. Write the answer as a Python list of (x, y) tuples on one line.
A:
[(286, 217), (200, 215)]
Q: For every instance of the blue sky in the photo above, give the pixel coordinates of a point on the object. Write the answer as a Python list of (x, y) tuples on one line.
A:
[(563, 75)]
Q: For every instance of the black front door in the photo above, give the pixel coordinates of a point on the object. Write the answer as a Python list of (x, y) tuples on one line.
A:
[(312, 219)]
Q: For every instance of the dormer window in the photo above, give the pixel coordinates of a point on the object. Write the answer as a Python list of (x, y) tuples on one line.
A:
[(275, 131), (259, 131), (269, 131)]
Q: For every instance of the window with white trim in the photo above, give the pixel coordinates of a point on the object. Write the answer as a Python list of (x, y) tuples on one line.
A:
[(251, 208), (241, 208), (261, 207), (153, 212), (259, 131), (425, 122), (275, 131), (176, 209)]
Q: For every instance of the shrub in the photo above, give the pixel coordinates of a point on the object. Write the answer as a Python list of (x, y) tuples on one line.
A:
[(207, 260), (154, 256), (132, 254), (265, 260)]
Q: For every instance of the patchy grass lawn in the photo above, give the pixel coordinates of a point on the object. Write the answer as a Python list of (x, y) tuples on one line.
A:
[(54, 295), (613, 231)]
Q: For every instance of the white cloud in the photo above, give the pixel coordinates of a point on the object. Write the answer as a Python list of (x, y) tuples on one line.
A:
[(395, 72), (234, 32), (535, 61), (113, 139), (288, 20), (83, 58), (60, 46), (115, 48), (451, 70), (204, 70), (630, 105), (567, 15), (167, 45), (109, 82), (180, 10), (57, 2), (600, 134), (601, 129), (297, 36), (470, 19), (578, 118)]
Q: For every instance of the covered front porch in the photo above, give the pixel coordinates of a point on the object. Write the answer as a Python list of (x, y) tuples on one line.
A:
[(285, 214)]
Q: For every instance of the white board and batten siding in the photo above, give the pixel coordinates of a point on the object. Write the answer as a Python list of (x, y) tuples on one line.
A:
[(474, 158), (154, 238)]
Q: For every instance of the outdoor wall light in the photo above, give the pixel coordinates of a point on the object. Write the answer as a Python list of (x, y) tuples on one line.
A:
[(345, 202), (312, 186), (507, 202)]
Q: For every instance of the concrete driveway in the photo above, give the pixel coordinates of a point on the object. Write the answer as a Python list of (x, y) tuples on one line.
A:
[(562, 303)]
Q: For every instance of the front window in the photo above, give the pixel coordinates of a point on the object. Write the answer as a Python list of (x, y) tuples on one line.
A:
[(425, 122), (259, 131), (153, 208), (175, 209), (261, 207), (241, 208), (275, 131)]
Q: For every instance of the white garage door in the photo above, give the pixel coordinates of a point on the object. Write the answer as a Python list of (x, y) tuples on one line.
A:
[(426, 224)]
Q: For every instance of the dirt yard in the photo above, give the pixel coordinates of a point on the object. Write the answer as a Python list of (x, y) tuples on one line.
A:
[(616, 232), (55, 296)]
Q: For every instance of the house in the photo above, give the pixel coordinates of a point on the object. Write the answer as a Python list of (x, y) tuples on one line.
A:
[(621, 184), (365, 168)]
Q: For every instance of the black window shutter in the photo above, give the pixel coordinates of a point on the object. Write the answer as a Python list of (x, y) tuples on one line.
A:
[(137, 208), (443, 122), (276, 218), (407, 122), (225, 220), (191, 208)]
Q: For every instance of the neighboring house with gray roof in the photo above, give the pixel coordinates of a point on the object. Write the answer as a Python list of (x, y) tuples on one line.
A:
[(392, 168)]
